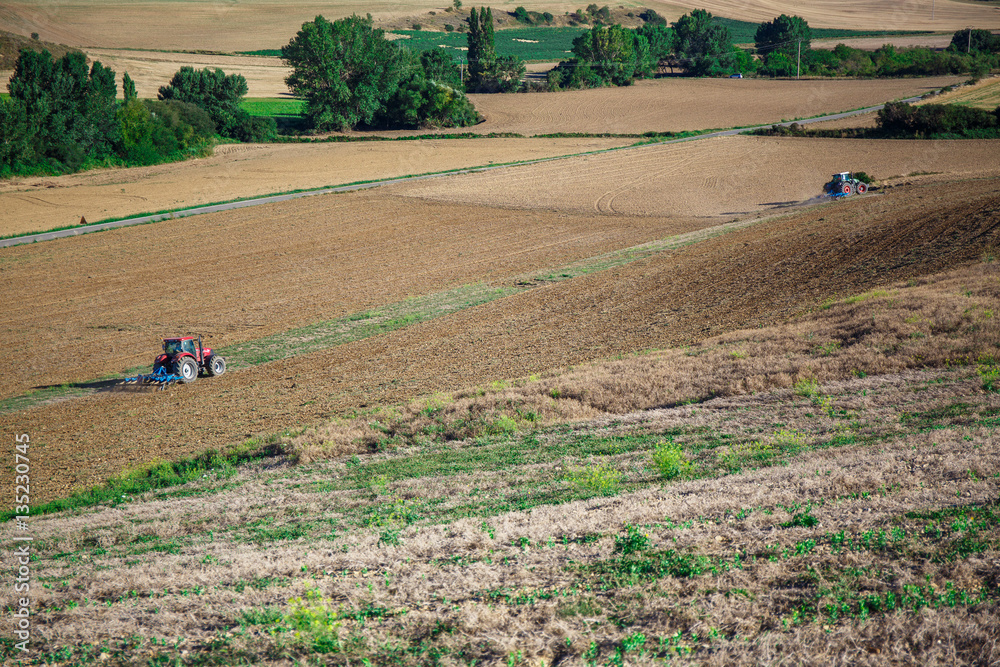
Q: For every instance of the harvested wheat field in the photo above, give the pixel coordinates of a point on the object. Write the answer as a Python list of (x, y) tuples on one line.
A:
[(860, 14), (151, 69), (238, 171), (754, 276), (985, 94), (850, 521), (263, 24), (722, 176), (681, 104)]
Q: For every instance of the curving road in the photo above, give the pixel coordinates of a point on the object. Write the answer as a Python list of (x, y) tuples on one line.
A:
[(142, 220)]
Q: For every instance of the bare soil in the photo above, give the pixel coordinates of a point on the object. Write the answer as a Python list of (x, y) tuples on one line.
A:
[(723, 176), (146, 280), (682, 104), (238, 171)]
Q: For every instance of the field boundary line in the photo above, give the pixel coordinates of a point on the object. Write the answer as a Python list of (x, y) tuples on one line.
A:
[(275, 198)]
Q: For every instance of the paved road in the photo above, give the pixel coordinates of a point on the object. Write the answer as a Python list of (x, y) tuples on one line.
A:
[(142, 220)]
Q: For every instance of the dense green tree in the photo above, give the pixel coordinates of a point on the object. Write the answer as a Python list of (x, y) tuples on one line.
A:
[(610, 52), (70, 111), (703, 47), (970, 40), (489, 73), (431, 96), (220, 95), (482, 52), (128, 87), (438, 66), (345, 70), (16, 138), (660, 39), (785, 34)]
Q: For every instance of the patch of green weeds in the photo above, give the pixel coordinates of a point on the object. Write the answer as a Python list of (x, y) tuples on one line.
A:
[(633, 541), (597, 478), (990, 376), (669, 459)]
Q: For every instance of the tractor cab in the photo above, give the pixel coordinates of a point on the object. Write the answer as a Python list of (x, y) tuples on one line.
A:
[(174, 346), (842, 176)]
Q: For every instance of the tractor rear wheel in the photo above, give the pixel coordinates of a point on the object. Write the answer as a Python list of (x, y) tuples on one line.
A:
[(847, 189), (862, 188), (186, 368), (216, 366)]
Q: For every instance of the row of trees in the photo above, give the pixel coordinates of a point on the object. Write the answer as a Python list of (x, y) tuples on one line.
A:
[(784, 48), (938, 120), (614, 55), (62, 116)]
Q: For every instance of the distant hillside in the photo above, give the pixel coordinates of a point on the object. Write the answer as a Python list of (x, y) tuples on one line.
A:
[(11, 45)]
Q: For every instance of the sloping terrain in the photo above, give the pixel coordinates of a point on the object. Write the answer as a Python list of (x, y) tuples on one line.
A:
[(678, 105), (722, 176), (755, 276), (269, 24), (238, 171), (850, 521)]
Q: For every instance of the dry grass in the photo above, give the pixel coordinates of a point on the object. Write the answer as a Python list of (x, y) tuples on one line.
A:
[(891, 494), (932, 322), (984, 94)]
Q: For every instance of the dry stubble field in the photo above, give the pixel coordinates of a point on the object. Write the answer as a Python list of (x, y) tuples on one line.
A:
[(250, 170), (718, 177), (258, 24)]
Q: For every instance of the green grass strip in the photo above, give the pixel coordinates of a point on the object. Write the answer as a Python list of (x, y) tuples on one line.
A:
[(358, 326)]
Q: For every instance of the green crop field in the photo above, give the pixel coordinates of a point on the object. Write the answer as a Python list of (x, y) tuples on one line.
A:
[(275, 107), (542, 44), (743, 32)]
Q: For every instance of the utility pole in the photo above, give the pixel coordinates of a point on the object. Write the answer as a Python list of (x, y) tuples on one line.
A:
[(968, 49)]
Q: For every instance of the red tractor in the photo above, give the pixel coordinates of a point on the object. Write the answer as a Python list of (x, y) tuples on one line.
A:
[(187, 359)]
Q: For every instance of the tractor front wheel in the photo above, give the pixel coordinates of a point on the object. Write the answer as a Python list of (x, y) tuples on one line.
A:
[(862, 188), (186, 368), (216, 366), (847, 189)]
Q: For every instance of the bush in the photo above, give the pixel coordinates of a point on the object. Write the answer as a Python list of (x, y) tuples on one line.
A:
[(669, 460), (902, 119)]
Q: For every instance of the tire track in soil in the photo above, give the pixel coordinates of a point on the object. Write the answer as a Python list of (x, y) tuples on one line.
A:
[(759, 275)]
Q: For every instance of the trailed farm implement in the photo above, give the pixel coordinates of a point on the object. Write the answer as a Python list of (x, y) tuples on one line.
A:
[(182, 361), (159, 379), (844, 184)]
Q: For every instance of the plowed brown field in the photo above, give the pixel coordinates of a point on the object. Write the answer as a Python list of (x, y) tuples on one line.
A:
[(678, 105), (723, 176), (249, 170), (758, 275), (297, 262), (259, 24)]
